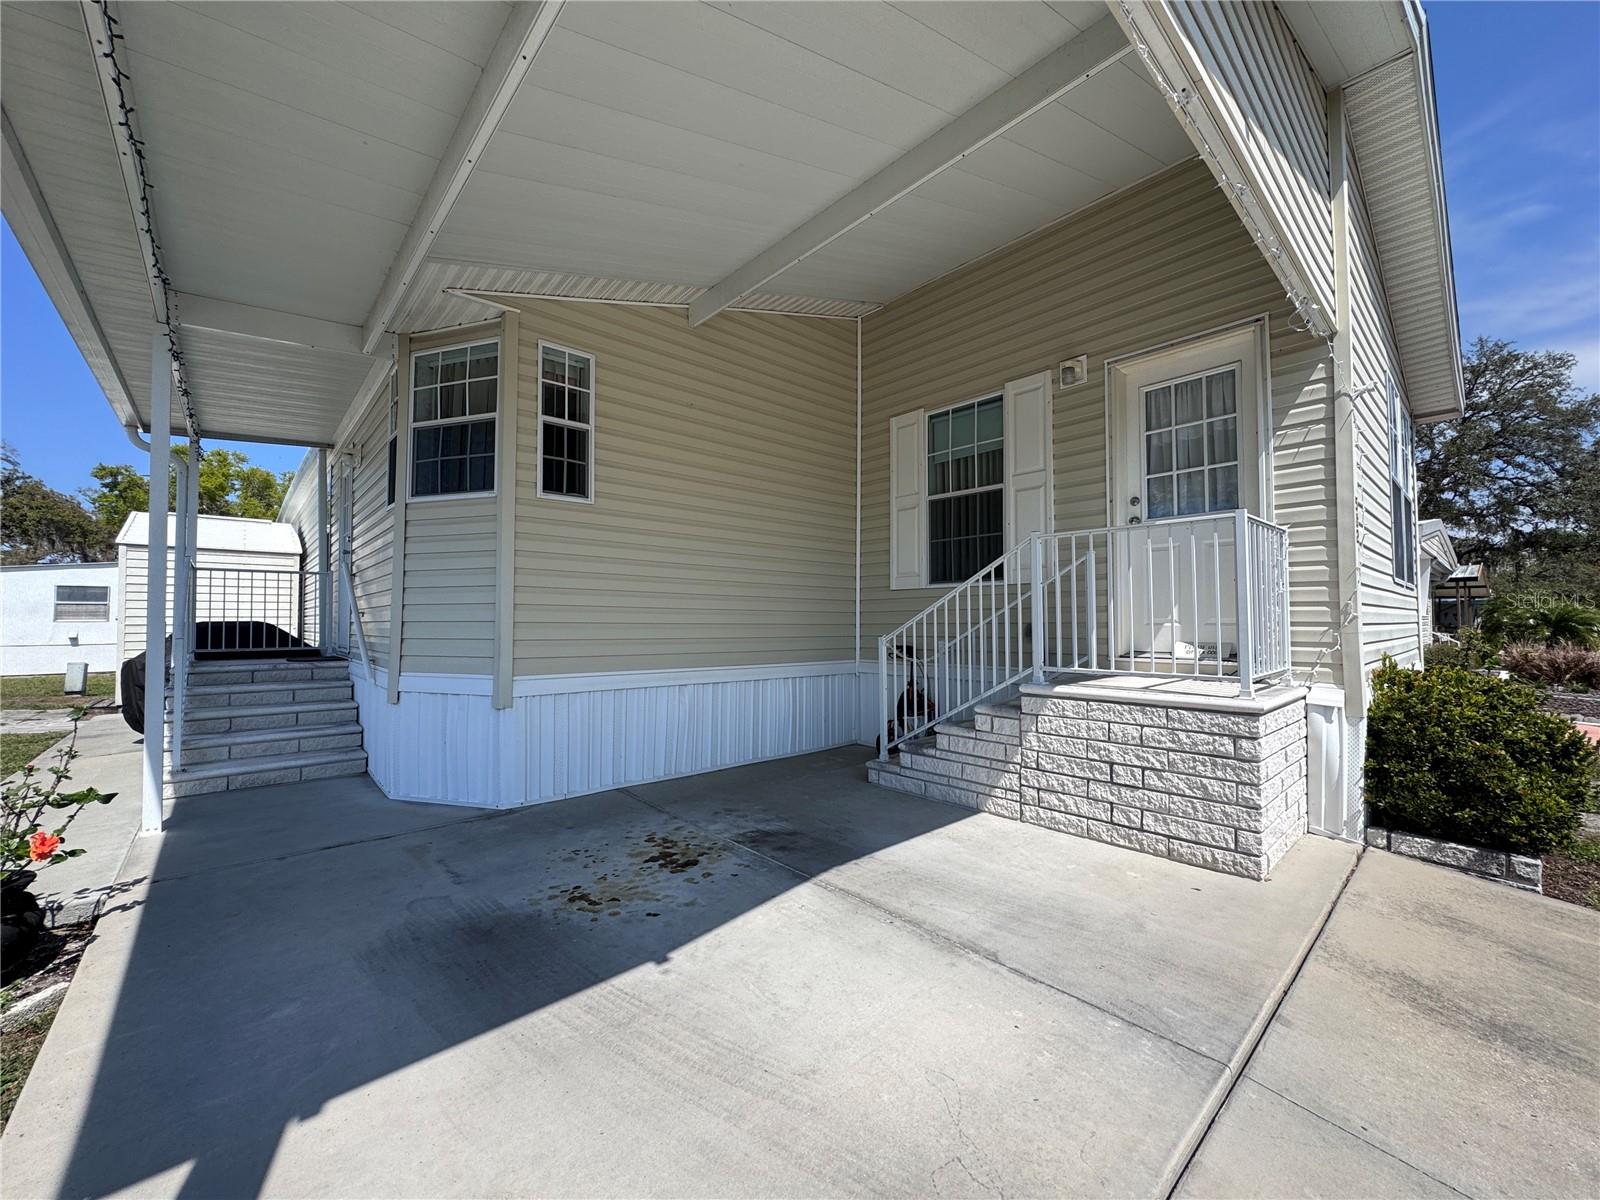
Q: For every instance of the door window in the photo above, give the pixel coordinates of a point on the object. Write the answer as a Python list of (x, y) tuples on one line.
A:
[(1191, 444)]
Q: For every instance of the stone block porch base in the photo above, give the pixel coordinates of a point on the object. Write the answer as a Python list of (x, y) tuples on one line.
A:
[(1183, 769)]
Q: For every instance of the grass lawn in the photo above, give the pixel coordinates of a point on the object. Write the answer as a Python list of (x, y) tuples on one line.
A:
[(18, 1048), (19, 749), (44, 691)]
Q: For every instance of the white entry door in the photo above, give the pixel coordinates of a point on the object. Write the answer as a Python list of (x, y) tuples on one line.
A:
[(1186, 442)]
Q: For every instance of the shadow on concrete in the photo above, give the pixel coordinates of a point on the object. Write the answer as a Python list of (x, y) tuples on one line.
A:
[(296, 944)]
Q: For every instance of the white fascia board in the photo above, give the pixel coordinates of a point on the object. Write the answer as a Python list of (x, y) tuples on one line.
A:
[(1085, 56), (524, 32), (41, 241), (266, 324), (1191, 94)]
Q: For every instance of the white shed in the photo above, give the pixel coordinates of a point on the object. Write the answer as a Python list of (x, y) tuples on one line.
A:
[(56, 613), (233, 556)]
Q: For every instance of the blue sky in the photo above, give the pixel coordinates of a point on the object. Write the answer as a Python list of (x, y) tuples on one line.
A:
[(1519, 113)]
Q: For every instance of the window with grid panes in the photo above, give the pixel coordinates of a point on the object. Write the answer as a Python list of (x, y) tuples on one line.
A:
[(455, 400), (1191, 445), (966, 489), (566, 423)]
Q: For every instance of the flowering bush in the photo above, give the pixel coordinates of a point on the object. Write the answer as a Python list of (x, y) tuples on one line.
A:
[(25, 843)]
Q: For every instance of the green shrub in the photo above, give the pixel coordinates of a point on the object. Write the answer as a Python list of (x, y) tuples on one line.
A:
[(1470, 758), (1553, 666), (1470, 649), (1551, 621)]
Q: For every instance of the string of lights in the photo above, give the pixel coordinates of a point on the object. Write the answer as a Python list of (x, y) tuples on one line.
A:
[(120, 79)]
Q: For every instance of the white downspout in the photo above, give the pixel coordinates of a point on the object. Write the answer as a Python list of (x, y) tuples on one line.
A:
[(155, 618)]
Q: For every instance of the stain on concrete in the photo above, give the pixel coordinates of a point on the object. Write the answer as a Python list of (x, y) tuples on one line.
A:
[(650, 873)]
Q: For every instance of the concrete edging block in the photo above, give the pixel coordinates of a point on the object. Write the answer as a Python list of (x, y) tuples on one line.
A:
[(1497, 866)]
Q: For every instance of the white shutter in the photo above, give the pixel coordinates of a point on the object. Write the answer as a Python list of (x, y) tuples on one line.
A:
[(908, 469), (1030, 506)]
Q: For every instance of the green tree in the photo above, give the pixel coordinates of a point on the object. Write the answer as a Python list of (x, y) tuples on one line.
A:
[(1517, 479), (229, 487), (40, 524)]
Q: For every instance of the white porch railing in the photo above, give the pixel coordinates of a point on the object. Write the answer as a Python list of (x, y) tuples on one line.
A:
[(242, 611), (1203, 596)]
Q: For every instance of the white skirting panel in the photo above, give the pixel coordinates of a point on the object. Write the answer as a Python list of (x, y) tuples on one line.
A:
[(570, 735), (1335, 746)]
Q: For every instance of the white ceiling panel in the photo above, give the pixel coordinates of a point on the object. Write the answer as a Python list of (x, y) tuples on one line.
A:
[(294, 145), (1004, 33)]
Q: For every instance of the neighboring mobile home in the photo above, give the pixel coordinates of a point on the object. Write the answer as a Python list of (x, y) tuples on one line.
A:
[(1024, 389), (58, 613)]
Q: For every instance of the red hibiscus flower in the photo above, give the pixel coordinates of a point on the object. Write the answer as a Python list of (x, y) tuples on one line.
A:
[(42, 845)]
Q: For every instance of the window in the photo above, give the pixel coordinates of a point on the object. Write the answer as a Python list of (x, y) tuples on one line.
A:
[(966, 489), (455, 396), (394, 431), (566, 423), (1402, 491), (1191, 445), (76, 603)]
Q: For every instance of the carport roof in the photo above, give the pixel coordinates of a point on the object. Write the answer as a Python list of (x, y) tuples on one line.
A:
[(322, 182)]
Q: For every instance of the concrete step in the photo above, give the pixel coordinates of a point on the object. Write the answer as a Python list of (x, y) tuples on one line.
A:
[(1003, 719), (904, 779), (236, 672), (938, 762), (290, 715), (265, 743), (235, 775), (253, 694), (967, 739)]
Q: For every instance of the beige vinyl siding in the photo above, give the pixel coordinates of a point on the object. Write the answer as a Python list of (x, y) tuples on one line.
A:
[(1390, 621), (449, 587), (723, 523), (371, 528), (1165, 260), (299, 509), (449, 558), (1275, 109)]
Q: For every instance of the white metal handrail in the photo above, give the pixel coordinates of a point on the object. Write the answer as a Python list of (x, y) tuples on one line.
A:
[(963, 648), (1201, 596), (347, 582)]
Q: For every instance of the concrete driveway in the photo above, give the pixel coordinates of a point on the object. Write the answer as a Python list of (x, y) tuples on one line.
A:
[(789, 983), (776, 980)]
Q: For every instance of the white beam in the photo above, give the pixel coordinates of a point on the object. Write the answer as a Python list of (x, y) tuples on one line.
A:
[(1085, 56), (524, 32), (155, 612), (265, 324), (41, 241)]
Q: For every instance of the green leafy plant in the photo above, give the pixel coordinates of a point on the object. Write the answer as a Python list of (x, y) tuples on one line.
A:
[(1551, 621), (26, 843), (1470, 649), (1467, 757), (1565, 666)]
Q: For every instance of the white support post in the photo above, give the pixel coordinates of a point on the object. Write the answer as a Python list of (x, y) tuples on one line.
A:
[(324, 560), (155, 620), (883, 701), (1036, 567), (182, 552), (1241, 614)]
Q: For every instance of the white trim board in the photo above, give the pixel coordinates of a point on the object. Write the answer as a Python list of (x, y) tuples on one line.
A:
[(553, 685)]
